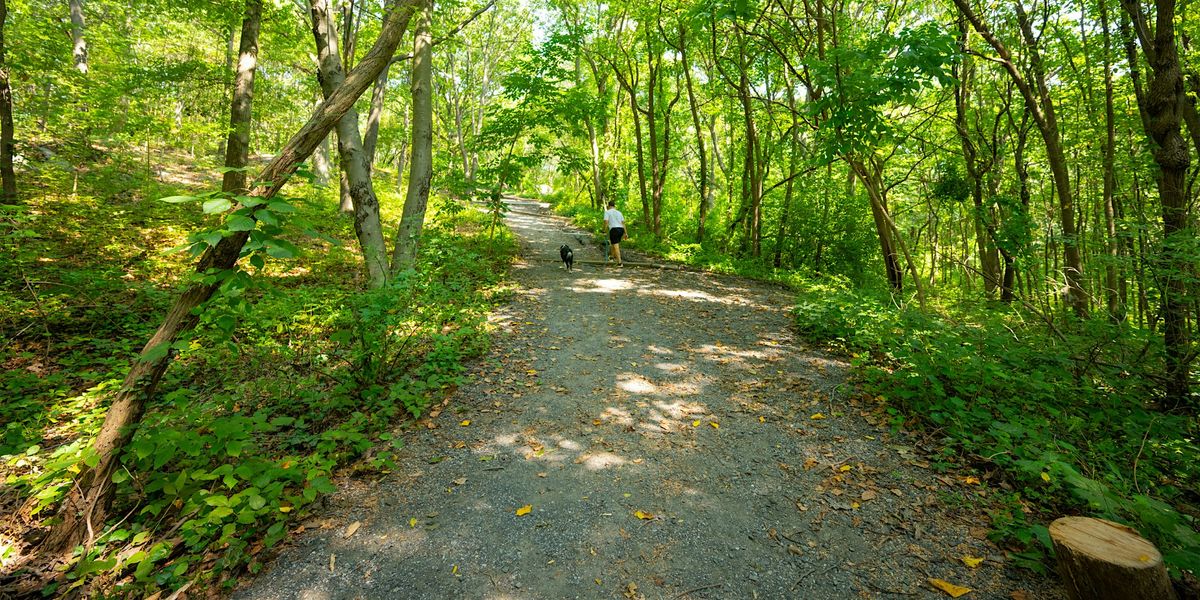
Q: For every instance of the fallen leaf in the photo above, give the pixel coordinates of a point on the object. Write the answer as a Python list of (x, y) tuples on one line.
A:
[(596, 422), (809, 463), (817, 416), (645, 516), (762, 419), (971, 479), (285, 509), (542, 474), (1045, 477), (1019, 595), (460, 481), (696, 423), (524, 510), (352, 528), (332, 561), (855, 505), (597, 581), (715, 425), (868, 495), (971, 561), (465, 423), (454, 570), (953, 590), (795, 550), (845, 468), (412, 522), (631, 591)]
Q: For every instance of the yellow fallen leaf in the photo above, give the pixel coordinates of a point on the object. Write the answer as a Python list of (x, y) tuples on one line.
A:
[(645, 516), (817, 416), (412, 522), (352, 528), (953, 590), (597, 581), (855, 505), (1144, 558), (465, 423), (971, 561), (845, 468), (696, 423), (524, 510), (285, 509), (532, 371), (454, 570), (715, 425), (762, 419), (596, 422), (1045, 477)]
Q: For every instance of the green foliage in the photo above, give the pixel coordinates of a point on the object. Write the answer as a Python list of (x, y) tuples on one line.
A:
[(1063, 419), (274, 394)]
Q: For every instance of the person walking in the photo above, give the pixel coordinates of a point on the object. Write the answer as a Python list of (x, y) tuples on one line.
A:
[(616, 229)]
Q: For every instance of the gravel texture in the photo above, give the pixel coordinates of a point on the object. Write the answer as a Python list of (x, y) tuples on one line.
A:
[(673, 440)]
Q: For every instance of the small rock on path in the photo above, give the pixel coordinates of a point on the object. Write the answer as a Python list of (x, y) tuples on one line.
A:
[(672, 440)]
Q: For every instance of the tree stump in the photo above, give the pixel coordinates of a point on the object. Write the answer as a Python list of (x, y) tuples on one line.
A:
[(1102, 560)]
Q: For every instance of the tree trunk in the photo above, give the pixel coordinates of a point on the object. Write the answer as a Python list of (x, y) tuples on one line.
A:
[(356, 171), (408, 235), (371, 139), (86, 505), (79, 49), (8, 177), (1163, 110), (1102, 560), (891, 259), (237, 147), (321, 165), (694, 108), (1041, 107), (1114, 301)]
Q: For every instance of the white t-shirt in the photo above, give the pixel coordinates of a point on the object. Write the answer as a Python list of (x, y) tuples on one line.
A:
[(613, 218)]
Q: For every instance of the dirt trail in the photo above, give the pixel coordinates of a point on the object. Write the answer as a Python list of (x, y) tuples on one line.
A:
[(680, 395)]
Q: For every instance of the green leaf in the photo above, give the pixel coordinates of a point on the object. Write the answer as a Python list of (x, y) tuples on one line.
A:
[(278, 248), (240, 223), (217, 205), (155, 353), (177, 199)]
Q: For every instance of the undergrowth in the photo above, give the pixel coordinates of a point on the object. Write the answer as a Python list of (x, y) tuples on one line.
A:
[(279, 389), (1065, 423)]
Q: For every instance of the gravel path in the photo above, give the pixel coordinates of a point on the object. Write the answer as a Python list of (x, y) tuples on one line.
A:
[(671, 439)]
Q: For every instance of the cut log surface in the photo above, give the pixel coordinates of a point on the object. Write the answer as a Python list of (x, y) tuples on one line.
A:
[(1102, 560)]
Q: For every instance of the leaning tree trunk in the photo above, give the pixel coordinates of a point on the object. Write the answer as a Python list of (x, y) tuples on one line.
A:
[(1163, 108), (8, 178), (356, 170), (371, 138), (237, 147), (88, 502), (412, 221), (79, 49)]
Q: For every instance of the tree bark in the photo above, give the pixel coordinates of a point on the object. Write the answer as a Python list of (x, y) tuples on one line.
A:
[(237, 147), (87, 504), (79, 49), (1163, 109), (8, 177), (355, 168), (1102, 560), (371, 138), (408, 234)]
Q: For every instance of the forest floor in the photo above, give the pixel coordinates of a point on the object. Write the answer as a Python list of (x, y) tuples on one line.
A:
[(647, 433)]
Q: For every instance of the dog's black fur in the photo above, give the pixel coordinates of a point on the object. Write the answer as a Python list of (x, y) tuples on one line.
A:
[(568, 256)]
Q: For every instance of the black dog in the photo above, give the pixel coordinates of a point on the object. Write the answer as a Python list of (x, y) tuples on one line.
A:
[(568, 257)]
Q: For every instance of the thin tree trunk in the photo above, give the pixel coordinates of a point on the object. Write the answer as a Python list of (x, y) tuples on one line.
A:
[(86, 506), (237, 147), (321, 165), (371, 139), (1114, 301), (356, 171), (408, 235), (8, 177), (79, 49)]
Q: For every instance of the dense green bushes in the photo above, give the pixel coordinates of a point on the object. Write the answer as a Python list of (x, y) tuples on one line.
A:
[(254, 420), (1067, 421)]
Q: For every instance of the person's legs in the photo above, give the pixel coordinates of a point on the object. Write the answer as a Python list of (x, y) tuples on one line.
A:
[(617, 253)]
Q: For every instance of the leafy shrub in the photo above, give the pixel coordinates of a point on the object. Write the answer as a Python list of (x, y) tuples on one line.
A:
[(1065, 418)]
